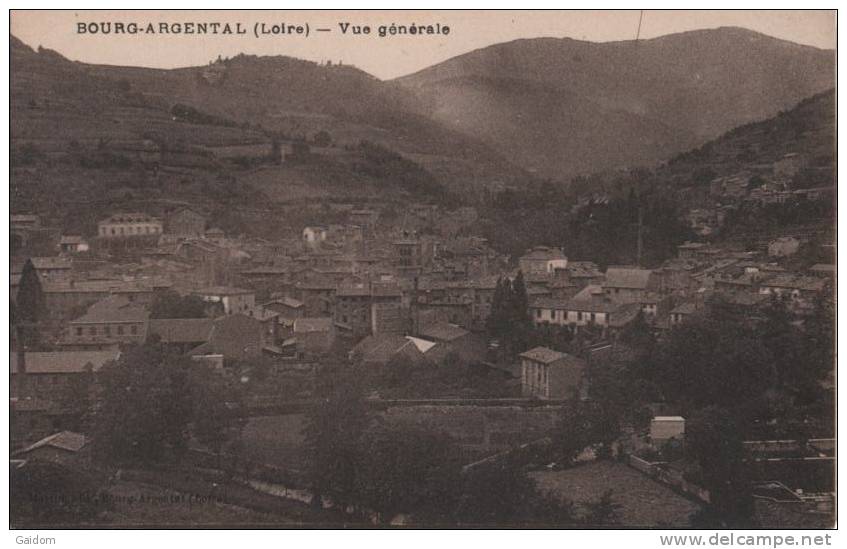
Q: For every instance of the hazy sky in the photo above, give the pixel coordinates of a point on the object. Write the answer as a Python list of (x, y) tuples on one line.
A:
[(383, 57)]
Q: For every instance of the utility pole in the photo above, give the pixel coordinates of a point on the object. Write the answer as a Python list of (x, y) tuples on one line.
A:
[(640, 211), (640, 237)]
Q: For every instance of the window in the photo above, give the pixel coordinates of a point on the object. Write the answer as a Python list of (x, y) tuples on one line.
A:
[(579, 315), (120, 330), (538, 313), (133, 329), (79, 331), (107, 330), (113, 230)]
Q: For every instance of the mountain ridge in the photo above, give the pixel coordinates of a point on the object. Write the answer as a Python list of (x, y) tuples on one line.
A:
[(531, 108), (697, 84)]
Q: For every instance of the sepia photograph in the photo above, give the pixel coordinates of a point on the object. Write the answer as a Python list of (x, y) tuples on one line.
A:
[(446, 269)]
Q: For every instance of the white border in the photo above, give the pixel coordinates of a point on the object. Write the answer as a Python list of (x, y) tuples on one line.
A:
[(325, 538)]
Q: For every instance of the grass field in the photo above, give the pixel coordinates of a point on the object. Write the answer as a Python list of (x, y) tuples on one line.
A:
[(479, 431), (276, 440), (645, 503)]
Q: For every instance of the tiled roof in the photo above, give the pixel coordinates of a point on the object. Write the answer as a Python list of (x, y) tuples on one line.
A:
[(182, 330), (549, 303), (287, 301), (91, 286), (443, 331), (624, 314), (261, 313), (222, 290), (234, 336), (314, 324), (62, 362), (41, 263), (317, 285), (381, 348), (534, 290), (590, 299), (543, 355), (113, 309), (386, 290), (795, 282), (544, 253), (353, 291), (619, 277)]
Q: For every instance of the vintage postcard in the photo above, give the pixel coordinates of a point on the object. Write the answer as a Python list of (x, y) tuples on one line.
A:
[(422, 269)]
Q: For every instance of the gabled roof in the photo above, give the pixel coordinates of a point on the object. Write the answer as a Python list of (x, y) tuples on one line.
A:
[(352, 291), (62, 362), (221, 290), (313, 324), (386, 290), (421, 344), (383, 347), (590, 299), (622, 277), (543, 355), (583, 268), (549, 356), (261, 313), (549, 303), (113, 309), (442, 331), (624, 314), (182, 330), (286, 301), (543, 253), (795, 282), (49, 262), (92, 286), (234, 336)]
